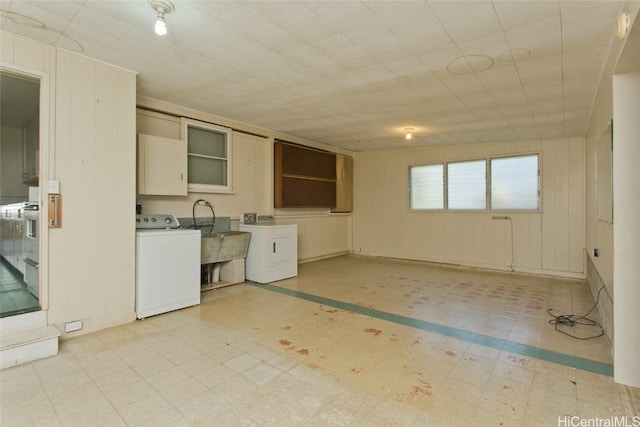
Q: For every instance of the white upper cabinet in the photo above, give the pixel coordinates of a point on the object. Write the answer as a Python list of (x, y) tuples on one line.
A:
[(162, 166)]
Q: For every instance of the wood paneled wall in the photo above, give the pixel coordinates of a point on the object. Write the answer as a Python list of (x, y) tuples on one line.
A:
[(546, 242), (92, 256)]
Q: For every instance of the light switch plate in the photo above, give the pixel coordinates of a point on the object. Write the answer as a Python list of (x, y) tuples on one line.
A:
[(54, 186)]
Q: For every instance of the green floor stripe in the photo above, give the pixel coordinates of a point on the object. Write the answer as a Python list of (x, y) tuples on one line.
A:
[(485, 340)]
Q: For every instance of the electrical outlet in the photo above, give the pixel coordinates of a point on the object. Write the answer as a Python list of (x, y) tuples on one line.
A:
[(73, 326)]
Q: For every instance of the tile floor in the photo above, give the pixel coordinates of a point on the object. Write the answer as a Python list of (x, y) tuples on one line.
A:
[(14, 296), (350, 341)]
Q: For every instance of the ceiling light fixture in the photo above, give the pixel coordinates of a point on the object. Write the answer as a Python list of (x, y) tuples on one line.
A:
[(162, 7), (161, 26), (408, 134), (624, 23)]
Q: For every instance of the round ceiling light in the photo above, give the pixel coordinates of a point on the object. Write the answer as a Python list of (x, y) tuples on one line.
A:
[(408, 133)]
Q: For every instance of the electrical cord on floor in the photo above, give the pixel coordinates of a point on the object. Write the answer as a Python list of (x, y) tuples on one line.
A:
[(572, 320)]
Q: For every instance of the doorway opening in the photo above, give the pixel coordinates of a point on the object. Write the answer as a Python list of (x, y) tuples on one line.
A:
[(19, 193)]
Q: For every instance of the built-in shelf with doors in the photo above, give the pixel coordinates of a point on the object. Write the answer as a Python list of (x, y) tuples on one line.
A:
[(306, 177), (200, 161), (162, 166)]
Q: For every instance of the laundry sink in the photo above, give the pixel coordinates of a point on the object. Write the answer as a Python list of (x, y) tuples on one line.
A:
[(225, 246)]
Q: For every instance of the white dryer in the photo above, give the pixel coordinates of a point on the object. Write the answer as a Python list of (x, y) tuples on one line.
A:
[(273, 252)]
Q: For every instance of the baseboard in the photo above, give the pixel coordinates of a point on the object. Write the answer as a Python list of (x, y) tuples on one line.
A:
[(321, 257)]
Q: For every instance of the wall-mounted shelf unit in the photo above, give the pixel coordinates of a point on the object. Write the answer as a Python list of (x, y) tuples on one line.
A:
[(303, 177)]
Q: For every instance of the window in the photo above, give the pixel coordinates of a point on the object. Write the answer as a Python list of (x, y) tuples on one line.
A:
[(466, 185), (208, 157), (514, 183), (427, 186), (500, 183)]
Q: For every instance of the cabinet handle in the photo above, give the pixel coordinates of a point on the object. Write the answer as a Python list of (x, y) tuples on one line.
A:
[(274, 247), (181, 176)]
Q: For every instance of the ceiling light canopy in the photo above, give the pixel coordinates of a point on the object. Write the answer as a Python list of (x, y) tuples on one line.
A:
[(162, 7)]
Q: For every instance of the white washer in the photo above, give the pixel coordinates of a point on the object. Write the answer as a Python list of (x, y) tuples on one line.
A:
[(167, 266), (273, 252)]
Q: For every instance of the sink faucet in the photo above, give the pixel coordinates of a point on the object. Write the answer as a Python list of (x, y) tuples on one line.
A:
[(203, 202)]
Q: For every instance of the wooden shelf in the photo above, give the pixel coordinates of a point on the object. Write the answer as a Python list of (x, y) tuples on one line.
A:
[(303, 177), (309, 178)]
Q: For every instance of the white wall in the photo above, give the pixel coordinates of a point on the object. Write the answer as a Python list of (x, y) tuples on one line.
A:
[(626, 268), (550, 242), (92, 257), (626, 197), (599, 231), (321, 236)]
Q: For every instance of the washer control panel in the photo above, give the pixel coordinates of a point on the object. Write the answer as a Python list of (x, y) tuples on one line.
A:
[(155, 221)]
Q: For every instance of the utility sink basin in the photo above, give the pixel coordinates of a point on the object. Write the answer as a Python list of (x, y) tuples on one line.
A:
[(224, 246)]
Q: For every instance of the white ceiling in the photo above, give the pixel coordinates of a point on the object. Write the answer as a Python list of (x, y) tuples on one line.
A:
[(353, 74)]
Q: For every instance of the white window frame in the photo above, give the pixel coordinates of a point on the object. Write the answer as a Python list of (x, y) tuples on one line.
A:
[(487, 184), (207, 188)]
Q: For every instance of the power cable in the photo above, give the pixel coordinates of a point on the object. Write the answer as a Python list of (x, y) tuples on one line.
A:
[(572, 320)]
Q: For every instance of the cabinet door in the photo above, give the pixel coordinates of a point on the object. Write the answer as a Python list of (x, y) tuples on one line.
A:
[(344, 184), (162, 166), (280, 249)]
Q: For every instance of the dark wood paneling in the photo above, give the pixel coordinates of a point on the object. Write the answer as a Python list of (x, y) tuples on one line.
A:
[(277, 175), (303, 177), (307, 193), (308, 162)]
